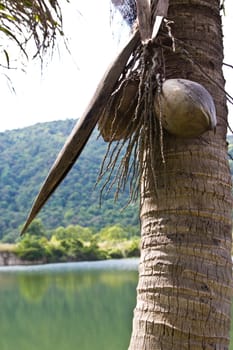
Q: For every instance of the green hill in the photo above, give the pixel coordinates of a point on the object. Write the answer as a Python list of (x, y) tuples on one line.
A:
[(27, 154)]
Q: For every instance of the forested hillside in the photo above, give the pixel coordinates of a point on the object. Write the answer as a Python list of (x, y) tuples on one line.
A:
[(27, 154)]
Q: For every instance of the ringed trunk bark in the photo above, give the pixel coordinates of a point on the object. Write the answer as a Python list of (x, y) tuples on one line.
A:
[(185, 273)]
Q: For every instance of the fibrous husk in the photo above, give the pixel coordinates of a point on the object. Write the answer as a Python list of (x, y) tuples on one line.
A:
[(185, 108), (117, 121)]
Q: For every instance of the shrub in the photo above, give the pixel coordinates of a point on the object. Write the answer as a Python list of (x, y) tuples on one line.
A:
[(116, 254), (31, 248), (113, 233), (74, 232), (36, 228), (93, 252), (133, 250), (55, 253), (31, 253)]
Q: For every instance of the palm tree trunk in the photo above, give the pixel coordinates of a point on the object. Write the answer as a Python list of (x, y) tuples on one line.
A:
[(185, 273)]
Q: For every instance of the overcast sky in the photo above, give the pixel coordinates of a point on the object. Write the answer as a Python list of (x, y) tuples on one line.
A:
[(69, 80)]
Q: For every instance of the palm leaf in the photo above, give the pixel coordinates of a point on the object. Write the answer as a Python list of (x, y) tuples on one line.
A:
[(23, 20)]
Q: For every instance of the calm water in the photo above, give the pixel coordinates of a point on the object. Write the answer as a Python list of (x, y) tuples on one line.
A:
[(84, 306), (78, 306)]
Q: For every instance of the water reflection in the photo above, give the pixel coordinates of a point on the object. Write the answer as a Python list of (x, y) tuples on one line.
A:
[(76, 307), (82, 309)]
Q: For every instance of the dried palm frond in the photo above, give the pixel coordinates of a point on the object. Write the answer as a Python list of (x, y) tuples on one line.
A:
[(129, 123), (135, 129)]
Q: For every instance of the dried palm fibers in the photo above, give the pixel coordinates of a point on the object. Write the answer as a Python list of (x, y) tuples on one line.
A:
[(143, 105)]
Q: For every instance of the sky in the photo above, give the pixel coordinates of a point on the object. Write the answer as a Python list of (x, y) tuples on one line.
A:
[(65, 85)]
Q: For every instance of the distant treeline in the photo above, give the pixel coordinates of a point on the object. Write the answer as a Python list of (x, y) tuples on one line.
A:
[(77, 243)]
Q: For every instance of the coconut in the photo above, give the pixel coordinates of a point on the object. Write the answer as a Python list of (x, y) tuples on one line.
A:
[(186, 108)]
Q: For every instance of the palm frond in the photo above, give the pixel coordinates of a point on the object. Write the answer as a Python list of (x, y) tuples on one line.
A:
[(22, 21)]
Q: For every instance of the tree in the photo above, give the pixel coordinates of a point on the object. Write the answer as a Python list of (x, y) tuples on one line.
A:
[(185, 273), (37, 229), (184, 290)]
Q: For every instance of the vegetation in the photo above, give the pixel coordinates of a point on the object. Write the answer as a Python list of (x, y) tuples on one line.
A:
[(29, 26), (25, 157), (24, 160), (76, 243), (182, 199)]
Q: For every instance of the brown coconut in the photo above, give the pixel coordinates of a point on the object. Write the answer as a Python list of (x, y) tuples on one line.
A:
[(115, 122), (186, 108)]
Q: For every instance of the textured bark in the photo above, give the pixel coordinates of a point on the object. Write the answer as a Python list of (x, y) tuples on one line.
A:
[(185, 274)]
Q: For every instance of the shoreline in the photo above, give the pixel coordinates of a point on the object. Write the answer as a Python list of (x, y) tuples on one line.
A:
[(10, 259), (125, 264)]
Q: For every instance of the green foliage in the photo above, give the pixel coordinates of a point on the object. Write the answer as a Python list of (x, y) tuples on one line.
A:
[(65, 244), (116, 233), (112, 233), (92, 252), (36, 228), (134, 249), (31, 248), (116, 253), (75, 250), (26, 156), (55, 253), (10, 237), (24, 20), (73, 231)]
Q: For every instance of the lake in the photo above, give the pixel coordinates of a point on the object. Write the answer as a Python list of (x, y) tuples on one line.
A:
[(84, 306)]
